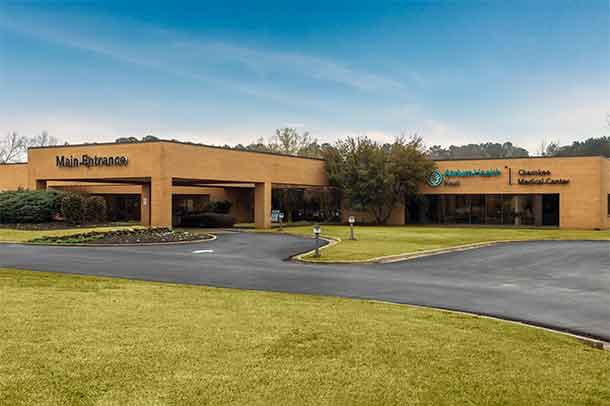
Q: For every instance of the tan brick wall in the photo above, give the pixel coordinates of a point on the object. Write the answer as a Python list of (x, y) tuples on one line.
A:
[(160, 163), (13, 176), (583, 201)]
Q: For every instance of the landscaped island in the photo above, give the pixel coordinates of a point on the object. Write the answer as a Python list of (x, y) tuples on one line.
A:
[(378, 241), (123, 236)]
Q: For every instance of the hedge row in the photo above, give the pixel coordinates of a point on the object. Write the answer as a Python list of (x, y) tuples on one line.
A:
[(41, 206), (26, 206)]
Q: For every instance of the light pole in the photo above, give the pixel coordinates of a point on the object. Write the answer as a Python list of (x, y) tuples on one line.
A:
[(316, 232), (281, 217), (351, 220)]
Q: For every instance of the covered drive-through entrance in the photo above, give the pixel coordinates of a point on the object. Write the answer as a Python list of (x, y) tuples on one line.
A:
[(158, 171)]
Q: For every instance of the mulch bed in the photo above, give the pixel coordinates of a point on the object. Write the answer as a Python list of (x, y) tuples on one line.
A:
[(137, 236), (58, 225)]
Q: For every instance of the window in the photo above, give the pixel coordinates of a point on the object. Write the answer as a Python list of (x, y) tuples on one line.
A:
[(508, 209)]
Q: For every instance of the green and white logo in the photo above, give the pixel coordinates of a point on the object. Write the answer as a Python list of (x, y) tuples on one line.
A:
[(435, 178)]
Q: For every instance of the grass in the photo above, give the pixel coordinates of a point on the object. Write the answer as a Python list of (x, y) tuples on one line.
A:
[(71, 340), (375, 242), (11, 235)]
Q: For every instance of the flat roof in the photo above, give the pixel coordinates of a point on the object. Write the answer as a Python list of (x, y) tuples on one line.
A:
[(522, 157), (93, 144)]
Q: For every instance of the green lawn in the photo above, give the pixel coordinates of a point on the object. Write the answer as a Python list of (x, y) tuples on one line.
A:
[(382, 241), (70, 340), (11, 235)]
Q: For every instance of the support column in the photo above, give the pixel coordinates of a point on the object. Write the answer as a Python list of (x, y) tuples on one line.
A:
[(161, 202), (262, 205), (145, 205)]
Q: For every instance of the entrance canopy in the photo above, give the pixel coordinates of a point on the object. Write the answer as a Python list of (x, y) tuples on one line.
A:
[(158, 166)]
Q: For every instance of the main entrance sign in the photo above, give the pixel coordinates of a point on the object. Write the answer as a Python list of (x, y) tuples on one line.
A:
[(90, 161)]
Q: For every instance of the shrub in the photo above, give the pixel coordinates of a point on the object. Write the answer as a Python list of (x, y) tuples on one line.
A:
[(220, 206), (208, 220), (25, 206), (95, 209), (73, 208)]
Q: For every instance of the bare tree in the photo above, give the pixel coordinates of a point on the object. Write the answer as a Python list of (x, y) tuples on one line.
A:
[(41, 140), (12, 148), (289, 141), (547, 148)]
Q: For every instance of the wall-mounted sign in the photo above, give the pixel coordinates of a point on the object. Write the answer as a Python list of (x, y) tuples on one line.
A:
[(90, 161), (436, 178), (534, 172), (537, 177), (472, 172)]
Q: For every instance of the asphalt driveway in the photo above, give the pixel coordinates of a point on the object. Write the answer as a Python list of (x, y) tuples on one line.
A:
[(559, 284)]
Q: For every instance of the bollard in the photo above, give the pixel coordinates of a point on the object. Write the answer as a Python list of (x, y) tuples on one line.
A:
[(351, 220), (316, 232)]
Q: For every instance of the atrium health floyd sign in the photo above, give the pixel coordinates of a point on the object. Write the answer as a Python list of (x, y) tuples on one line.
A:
[(89, 161), (472, 172)]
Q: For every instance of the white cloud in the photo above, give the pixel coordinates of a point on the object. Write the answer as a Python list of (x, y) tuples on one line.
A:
[(573, 114), (263, 61), (76, 129), (188, 57), (73, 129)]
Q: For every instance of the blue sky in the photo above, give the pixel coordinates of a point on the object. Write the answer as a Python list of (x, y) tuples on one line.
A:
[(451, 71)]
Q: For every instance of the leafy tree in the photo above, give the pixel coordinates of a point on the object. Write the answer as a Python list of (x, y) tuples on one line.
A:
[(377, 178), (591, 146), (258, 146), (126, 140), (149, 138), (473, 151)]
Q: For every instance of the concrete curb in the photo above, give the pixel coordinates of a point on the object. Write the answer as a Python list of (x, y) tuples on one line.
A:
[(300, 257), (144, 244), (592, 342)]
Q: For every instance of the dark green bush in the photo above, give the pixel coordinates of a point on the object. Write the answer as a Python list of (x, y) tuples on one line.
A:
[(208, 220), (95, 209), (25, 206), (73, 208), (219, 206)]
